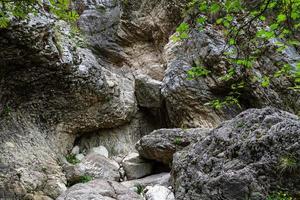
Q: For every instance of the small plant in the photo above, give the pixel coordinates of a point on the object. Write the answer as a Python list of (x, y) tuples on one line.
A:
[(279, 196), (80, 179), (178, 141), (197, 71), (6, 110), (71, 158), (288, 163), (182, 32), (139, 188)]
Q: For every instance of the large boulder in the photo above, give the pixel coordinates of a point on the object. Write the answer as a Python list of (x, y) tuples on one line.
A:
[(99, 190), (251, 156), (160, 145)]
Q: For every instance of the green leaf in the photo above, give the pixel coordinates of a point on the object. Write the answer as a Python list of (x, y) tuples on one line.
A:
[(281, 18), (201, 20), (265, 81), (214, 8), (183, 27)]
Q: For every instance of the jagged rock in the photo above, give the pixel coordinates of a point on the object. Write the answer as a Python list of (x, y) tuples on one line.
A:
[(156, 179), (101, 150), (147, 92), (160, 145), (94, 166), (135, 167), (99, 190), (242, 158), (158, 192)]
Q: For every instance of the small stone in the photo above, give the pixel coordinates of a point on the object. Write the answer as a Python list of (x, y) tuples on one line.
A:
[(101, 150), (75, 150), (79, 156)]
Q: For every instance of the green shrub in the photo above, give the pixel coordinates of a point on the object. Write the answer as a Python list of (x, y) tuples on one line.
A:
[(279, 196), (71, 158)]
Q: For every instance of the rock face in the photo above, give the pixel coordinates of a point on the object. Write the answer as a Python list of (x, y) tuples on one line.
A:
[(186, 99), (115, 80), (246, 157), (99, 190), (119, 140), (160, 145), (54, 88)]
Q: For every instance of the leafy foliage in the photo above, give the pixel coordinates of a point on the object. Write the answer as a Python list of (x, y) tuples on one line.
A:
[(197, 71), (250, 29), (182, 32), (71, 158), (19, 9), (279, 196)]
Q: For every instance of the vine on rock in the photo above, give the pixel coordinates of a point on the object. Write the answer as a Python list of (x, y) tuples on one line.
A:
[(250, 29)]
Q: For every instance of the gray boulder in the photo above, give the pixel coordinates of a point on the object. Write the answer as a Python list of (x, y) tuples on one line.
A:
[(160, 145), (251, 156), (147, 92), (156, 179), (94, 166), (99, 190), (135, 167)]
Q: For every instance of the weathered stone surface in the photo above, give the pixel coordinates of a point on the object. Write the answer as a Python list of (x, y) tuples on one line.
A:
[(186, 99), (75, 150), (79, 156), (242, 158), (147, 92), (158, 192), (101, 150), (160, 145), (135, 167), (120, 140), (156, 179), (99, 190), (95, 166), (52, 92)]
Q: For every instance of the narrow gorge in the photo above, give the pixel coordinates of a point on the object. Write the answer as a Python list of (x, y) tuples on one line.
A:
[(105, 109)]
